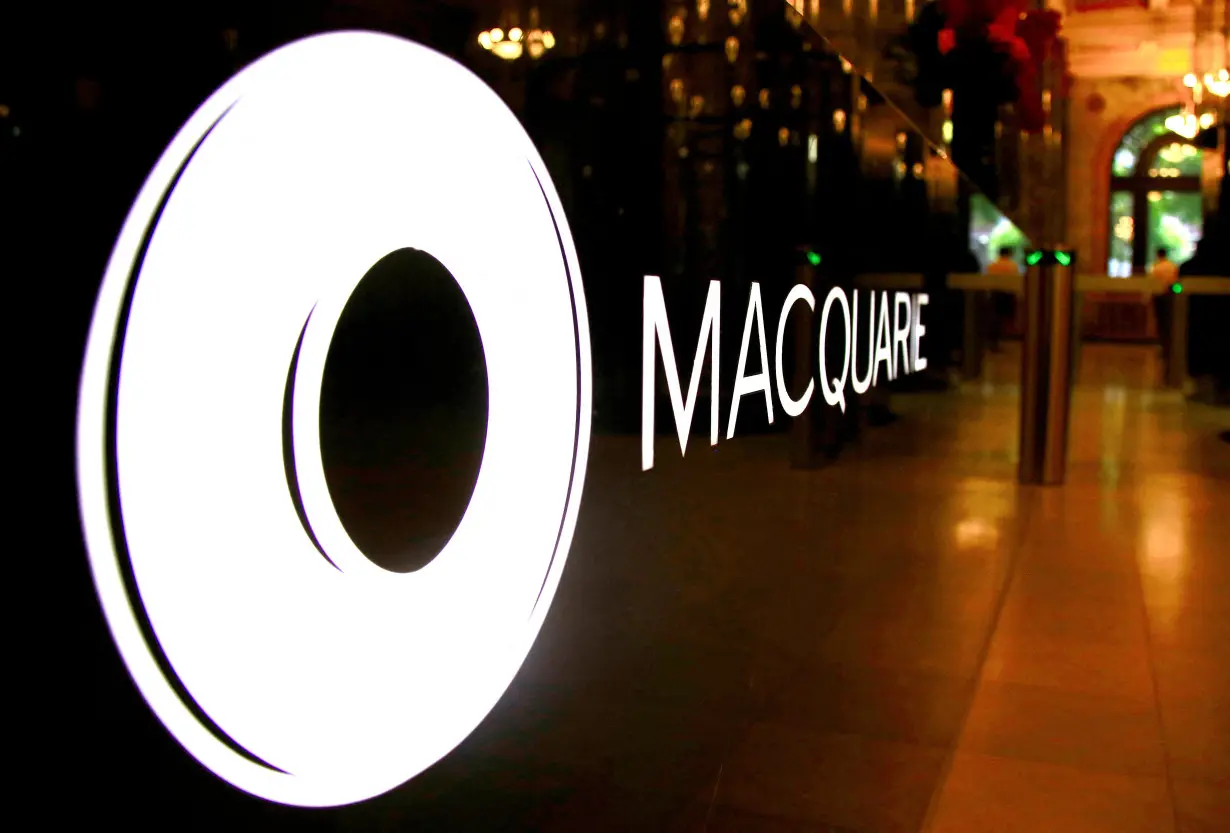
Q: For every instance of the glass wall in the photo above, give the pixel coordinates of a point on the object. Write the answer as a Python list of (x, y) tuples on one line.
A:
[(728, 153)]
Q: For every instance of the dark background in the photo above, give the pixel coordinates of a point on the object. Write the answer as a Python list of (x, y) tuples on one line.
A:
[(97, 90)]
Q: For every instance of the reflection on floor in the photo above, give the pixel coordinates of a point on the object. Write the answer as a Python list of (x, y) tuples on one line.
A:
[(1022, 660), (904, 641)]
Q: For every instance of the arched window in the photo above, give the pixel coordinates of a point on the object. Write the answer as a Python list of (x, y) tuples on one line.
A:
[(1155, 197)]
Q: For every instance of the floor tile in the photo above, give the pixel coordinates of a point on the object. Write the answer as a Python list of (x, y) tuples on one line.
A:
[(1071, 665), (988, 794), (1197, 733), (885, 704), (843, 780), (1202, 807), (1096, 732)]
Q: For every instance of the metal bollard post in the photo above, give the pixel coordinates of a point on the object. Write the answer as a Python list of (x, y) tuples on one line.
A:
[(972, 342), (1176, 364), (1046, 366)]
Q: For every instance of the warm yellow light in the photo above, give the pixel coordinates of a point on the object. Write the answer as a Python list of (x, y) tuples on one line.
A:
[(515, 33), (677, 90), (1184, 124), (839, 120), (796, 96), (497, 35), (548, 39), (783, 136), (1219, 84), (901, 140), (947, 130), (1189, 80), (1155, 196), (732, 49), (702, 9), (1206, 120), (509, 50), (764, 99), (743, 129), (484, 40), (738, 94), (675, 29), (947, 98), (846, 66), (918, 170), (696, 105)]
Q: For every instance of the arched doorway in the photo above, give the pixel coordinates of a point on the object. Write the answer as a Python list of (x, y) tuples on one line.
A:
[(1155, 199)]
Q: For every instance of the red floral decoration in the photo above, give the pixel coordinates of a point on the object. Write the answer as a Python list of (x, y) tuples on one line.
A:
[(1025, 37), (947, 40)]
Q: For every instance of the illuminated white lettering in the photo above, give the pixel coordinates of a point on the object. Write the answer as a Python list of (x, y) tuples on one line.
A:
[(884, 348), (792, 407), (864, 384), (657, 332), (757, 382), (902, 319), (918, 331), (837, 394)]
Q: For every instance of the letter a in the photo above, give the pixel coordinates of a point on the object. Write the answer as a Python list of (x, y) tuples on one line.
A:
[(884, 343), (759, 381)]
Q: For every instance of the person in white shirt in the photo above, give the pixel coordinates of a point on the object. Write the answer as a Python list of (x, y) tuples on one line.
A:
[(1165, 269), (1002, 303)]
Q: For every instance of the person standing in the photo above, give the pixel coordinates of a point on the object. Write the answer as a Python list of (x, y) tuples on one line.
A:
[(1166, 270)]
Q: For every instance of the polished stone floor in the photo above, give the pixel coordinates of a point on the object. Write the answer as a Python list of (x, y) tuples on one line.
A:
[(1013, 659), (906, 640)]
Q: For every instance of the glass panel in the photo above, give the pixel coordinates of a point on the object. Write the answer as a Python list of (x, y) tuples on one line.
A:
[(1122, 234), (1176, 159), (693, 591), (991, 230), (1175, 222), (1137, 139)]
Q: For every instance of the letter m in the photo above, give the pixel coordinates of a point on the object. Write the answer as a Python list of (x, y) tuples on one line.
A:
[(657, 333)]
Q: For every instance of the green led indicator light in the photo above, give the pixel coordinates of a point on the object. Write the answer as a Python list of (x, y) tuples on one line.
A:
[(813, 258), (1034, 258), (1064, 258), (1176, 288)]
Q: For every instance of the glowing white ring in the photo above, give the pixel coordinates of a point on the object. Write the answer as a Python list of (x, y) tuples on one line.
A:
[(294, 679)]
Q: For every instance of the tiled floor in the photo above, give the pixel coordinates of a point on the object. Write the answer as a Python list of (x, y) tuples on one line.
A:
[(904, 641), (1012, 659)]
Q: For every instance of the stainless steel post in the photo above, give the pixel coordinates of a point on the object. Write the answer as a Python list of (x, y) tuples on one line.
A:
[(972, 346), (1176, 364), (1046, 371)]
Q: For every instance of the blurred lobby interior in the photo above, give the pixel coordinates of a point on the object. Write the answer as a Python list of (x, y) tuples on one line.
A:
[(867, 620)]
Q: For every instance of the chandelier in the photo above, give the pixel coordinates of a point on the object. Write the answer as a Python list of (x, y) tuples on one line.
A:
[(516, 42), (1218, 83)]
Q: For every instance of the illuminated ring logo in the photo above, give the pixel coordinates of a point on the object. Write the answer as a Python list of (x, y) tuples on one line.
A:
[(301, 679)]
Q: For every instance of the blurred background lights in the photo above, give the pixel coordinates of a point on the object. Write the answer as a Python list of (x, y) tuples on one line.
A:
[(516, 42)]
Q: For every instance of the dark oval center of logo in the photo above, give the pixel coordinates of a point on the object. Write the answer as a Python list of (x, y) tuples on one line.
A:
[(403, 410)]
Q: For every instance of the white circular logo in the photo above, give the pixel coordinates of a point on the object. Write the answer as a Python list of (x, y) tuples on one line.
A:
[(267, 643)]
